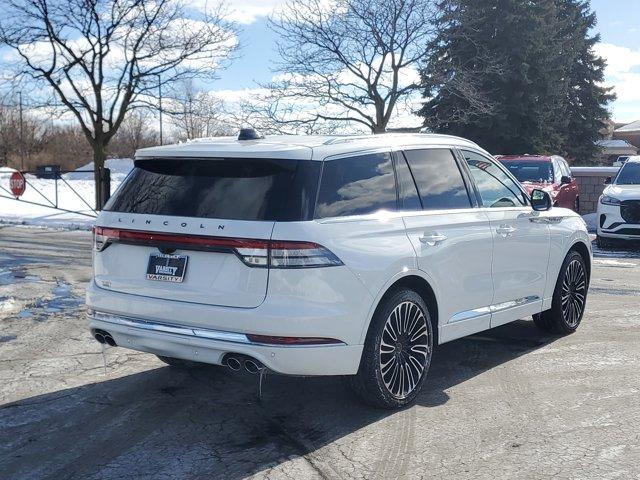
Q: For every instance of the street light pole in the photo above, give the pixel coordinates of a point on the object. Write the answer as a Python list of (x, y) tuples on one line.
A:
[(160, 104), (21, 132)]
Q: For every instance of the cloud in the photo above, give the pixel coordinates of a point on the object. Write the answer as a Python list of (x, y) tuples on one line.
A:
[(242, 11), (623, 74)]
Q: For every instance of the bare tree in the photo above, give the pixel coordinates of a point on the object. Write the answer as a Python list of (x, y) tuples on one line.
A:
[(198, 114), (101, 58), (42, 141), (348, 60), (21, 135), (135, 132)]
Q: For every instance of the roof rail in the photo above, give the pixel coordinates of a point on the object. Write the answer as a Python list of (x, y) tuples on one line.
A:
[(351, 138)]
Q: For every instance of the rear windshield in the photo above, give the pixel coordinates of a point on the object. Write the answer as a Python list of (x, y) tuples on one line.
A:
[(535, 172), (231, 189)]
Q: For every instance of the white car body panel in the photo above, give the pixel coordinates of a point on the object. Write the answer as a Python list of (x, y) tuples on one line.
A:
[(460, 262), (479, 277), (614, 225), (213, 278), (518, 285)]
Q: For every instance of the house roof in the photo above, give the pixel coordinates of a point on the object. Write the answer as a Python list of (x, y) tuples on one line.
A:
[(614, 144), (633, 127)]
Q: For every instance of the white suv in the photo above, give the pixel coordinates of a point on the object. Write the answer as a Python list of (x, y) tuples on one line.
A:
[(619, 206), (329, 256)]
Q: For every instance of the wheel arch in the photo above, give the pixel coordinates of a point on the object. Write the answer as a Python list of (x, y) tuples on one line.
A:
[(422, 287), (585, 253)]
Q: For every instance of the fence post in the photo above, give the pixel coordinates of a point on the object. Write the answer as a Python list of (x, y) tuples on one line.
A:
[(105, 180)]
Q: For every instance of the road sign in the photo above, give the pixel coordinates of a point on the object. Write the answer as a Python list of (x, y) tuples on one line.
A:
[(17, 184)]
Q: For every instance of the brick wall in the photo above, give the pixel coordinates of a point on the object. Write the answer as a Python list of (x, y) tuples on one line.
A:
[(591, 183)]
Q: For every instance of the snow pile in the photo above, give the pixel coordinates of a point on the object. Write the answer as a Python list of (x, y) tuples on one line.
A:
[(120, 168), (75, 193)]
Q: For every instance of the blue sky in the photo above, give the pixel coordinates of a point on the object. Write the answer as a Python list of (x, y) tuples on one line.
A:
[(618, 25), (618, 21)]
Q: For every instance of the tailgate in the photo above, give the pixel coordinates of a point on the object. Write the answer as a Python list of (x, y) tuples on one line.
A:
[(211, 276)]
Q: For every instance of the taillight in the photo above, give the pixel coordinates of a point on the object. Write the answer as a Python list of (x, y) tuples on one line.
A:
[(100, 241), (253, 252), (301, 255)]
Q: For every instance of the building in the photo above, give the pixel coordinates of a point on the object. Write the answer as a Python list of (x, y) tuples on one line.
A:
[(612, 149), (629, 132)]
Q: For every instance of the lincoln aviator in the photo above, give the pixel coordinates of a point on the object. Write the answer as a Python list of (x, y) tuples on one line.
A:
[(347, 255)]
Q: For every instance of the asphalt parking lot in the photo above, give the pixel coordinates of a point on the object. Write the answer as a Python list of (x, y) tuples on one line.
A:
[(510, 403)]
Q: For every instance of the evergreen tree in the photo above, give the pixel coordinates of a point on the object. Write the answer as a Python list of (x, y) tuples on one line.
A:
[(516, 76), (586, 96)]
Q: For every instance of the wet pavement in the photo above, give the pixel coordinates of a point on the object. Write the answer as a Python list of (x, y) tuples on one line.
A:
[(509, 403)]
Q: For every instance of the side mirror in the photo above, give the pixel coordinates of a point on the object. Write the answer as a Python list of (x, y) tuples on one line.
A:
[(565, 180), (607, 181), (540, 200)]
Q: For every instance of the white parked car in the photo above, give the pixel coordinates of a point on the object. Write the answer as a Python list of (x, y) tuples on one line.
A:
[(329, 256), (621, 160), (619, 206)]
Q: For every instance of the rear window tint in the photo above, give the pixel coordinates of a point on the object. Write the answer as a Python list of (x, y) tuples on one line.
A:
[(438, 179), (231, 189), (356, 186), (407, 192)]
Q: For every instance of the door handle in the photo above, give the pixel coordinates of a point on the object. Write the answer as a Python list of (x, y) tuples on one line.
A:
[(505, 230), (433, 239)]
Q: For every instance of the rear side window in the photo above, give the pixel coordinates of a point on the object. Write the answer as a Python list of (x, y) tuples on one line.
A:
[(231, 189), (408, 198), (356, 186), (438, 179)]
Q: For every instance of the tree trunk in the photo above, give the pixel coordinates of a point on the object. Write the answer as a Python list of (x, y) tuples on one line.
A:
[(99, 157)]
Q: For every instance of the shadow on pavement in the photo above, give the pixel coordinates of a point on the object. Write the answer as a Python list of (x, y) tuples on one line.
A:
[(619, 249), (207, 422)]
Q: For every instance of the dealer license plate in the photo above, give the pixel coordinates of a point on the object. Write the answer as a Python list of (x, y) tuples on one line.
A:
[(167, 268)]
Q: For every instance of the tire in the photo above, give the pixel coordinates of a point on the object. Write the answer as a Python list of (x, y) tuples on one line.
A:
[(180, 363), (601, 242), (392, 374), (569, 298)]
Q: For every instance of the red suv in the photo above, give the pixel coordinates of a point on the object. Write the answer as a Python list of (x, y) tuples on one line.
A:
[(551, 174)]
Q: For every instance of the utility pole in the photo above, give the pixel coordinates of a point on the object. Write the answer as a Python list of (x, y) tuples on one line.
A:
[(160, 104), (21, 132)]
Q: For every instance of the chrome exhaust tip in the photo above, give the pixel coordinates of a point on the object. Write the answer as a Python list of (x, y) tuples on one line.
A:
[(233, 363), (99, 337), (109, 340), (252, 366)]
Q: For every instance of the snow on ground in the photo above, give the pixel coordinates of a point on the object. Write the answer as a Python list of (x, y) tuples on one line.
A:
[(119, 167), (75, 193)]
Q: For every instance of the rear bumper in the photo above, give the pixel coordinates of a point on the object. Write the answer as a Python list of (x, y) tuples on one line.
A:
[(339, 318), (210, 346)]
